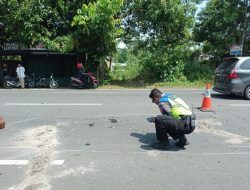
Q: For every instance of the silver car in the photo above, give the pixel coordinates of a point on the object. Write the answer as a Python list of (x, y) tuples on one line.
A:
[(232, 76)]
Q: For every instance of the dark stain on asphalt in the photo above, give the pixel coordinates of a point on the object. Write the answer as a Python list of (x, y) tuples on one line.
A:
[(91, 124), (87, 144), (112, 120)]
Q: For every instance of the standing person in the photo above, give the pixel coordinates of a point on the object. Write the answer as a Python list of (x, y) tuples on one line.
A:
[(172, 121), (20, 74)]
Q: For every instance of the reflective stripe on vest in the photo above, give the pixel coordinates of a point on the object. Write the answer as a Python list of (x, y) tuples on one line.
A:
[(179, 107)]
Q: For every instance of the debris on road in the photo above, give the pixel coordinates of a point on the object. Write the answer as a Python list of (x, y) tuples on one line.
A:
[(2, 123), (91, 124), (113, 120)]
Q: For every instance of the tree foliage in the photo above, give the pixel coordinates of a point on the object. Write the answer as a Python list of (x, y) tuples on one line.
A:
[(159, 33), (49, 22), (96, 27), (159, 23), (220, 25), (162, 30), (34, 22)]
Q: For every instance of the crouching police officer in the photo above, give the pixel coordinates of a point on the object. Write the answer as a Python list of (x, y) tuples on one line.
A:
[(176, 120)]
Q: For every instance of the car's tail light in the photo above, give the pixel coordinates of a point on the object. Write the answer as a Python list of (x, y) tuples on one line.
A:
[(227, 59), (232, 75)]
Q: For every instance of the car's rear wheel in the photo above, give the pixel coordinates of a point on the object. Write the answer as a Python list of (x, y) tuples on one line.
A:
[(247, 93)]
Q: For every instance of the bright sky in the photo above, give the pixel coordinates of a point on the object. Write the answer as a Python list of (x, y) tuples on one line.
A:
[(201, 6), (121, 45)]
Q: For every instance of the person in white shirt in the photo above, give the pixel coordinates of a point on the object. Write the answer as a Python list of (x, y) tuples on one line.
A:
[(20, 74)]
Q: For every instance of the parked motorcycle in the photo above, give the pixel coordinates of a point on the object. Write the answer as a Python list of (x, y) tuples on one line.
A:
[(87, 80), (50, 82), (11, 82), (29, 81)]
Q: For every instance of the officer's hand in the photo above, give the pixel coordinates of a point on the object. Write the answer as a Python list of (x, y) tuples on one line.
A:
[(151, 119)]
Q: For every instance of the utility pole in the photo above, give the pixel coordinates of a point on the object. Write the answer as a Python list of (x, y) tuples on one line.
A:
[(244, 26)]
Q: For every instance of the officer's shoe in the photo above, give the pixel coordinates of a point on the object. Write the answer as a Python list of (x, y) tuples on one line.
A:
[(161, 145), (182, 142)]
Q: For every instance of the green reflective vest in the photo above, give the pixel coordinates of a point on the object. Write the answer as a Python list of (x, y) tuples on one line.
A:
[(178, 106)]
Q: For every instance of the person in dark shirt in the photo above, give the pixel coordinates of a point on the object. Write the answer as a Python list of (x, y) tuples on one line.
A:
[(81, 74)]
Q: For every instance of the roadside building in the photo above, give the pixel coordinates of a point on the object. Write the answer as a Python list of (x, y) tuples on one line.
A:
[(39, 61)]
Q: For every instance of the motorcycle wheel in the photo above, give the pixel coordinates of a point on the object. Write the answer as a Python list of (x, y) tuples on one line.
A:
[(7, 85), (31, 84), (95, 85), (53, 84)]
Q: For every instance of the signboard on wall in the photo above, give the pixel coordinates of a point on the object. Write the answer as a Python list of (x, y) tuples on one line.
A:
[(236, 50), (11, 46)]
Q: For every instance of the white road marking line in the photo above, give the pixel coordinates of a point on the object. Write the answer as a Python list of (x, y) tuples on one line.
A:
[(109, 115), (13, 162), (58, 162), (117, 115), (240, 146), (110, 92), (26, 162), (26, 89), (52, 104), (240, 105), (19, 147), (83, 92), (163, 152)]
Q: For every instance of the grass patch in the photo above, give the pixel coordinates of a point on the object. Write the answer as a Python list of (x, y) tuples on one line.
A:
[(129, 84), (195, 76)]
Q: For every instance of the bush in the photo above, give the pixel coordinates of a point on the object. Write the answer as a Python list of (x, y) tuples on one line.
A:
[(195, 71), (129, 72), (164, 65)]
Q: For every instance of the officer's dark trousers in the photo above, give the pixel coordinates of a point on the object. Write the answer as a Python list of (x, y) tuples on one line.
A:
[(166, 125)]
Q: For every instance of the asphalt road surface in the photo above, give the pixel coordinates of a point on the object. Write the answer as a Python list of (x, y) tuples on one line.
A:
[(100, 140)]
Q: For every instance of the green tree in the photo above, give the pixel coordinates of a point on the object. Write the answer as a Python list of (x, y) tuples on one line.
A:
[(121, 55), (96, 27), (34, 22), (220, 25), (6, 10), (161, 29)]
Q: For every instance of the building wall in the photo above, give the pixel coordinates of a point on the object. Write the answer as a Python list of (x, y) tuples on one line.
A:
[(63, 66)]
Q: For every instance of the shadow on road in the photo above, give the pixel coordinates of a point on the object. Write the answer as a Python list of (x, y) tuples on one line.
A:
[(149, 138), (227, 97)]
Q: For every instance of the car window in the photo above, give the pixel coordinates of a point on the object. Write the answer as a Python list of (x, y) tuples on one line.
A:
[(228, 64), (245, 65)]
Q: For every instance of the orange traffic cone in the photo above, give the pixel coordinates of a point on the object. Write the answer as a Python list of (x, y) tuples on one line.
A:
[(206, 103)]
